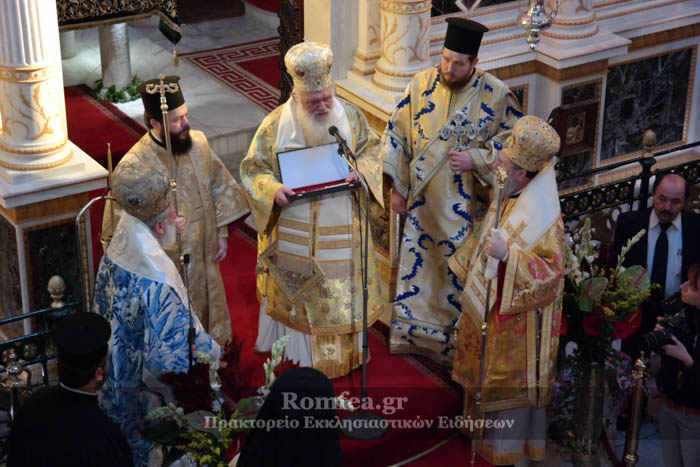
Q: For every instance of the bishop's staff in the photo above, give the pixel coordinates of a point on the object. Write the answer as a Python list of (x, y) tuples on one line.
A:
[(163, 88), (490, 273)]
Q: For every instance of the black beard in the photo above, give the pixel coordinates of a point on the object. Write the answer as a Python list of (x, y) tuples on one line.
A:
[(454, 85), (179, 145)]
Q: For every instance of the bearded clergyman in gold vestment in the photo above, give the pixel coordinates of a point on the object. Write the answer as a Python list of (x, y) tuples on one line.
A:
[(436, 186), (309, 274), (207, 195), (526, 300)]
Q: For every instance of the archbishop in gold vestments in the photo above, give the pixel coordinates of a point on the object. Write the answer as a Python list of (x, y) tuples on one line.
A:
[(330, 309), (210, 199), (523, 321), (440, 201)]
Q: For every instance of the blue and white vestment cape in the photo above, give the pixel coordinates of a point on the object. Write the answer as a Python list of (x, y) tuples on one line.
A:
[(140, 291)]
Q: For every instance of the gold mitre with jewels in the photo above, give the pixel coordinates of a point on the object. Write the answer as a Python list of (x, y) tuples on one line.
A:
[(309, 64), (532, 143), (143, 192)]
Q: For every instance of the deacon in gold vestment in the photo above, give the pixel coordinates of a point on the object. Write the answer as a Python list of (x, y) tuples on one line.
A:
[(526, 299), (207, 195), (309, 275), (435, 185)]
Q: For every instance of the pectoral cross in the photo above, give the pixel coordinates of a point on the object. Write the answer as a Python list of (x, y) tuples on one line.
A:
[(458, 129)]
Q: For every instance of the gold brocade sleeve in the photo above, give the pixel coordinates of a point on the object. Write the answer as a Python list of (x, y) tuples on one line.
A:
[(535, 277), (367, 148), (396, 143), (260, 173), (459, 262), (229, 198)]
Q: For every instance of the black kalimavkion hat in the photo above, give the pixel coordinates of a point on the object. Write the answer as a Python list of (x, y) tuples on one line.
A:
[(464, 36), (151, 102)]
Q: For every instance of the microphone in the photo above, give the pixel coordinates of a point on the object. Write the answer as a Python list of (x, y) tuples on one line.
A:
[(333, 131)]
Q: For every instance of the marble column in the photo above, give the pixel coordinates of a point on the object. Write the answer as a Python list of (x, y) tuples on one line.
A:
[(575, 19), (115, 56), (45, 179), (32, 109), (368, 41), (68, 45), (405, 42)]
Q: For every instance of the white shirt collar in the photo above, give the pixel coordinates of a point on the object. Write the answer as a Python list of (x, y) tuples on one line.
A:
[(654, 221), (78, 391), (155, 137)]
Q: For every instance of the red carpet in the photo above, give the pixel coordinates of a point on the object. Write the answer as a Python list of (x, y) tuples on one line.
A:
[(403, 389), (268, 5), (91, 125), (423, 386), (251, 69)]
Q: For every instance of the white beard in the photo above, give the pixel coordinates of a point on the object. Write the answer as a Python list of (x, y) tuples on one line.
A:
[(170, 236), (315, 130)]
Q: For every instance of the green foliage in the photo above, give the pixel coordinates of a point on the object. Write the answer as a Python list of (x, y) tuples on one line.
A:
[(112, 94)]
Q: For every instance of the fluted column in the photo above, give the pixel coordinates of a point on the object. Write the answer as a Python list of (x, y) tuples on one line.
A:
[(32, 108), (405, 42), (575, 20), (368, 41)]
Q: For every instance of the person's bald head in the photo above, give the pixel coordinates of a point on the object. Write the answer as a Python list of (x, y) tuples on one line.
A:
[(670, 195)]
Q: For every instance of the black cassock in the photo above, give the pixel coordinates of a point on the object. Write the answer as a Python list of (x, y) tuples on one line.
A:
[(58, 427)]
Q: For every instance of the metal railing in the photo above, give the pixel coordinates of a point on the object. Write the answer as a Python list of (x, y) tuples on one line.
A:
[(630, 190), (19, 354)]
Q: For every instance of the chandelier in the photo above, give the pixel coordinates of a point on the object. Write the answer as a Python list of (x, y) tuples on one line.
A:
[(534, 20)]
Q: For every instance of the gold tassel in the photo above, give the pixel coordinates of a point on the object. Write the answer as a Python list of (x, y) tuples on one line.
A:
[(176, 59)]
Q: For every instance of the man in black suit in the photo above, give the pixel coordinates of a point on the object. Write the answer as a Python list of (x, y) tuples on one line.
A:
[(667, 249), (63, 425)]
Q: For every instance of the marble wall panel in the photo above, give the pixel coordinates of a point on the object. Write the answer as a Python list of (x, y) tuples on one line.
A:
[(580, 92), (52, 250), (11, 292), (652, 93)]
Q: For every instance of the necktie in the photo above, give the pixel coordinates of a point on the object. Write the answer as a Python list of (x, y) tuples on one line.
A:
[(658, 268)]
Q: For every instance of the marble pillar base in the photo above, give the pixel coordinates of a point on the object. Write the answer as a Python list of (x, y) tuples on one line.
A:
[(38, 237)]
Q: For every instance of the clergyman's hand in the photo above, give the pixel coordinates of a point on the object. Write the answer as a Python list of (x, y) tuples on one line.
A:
[(352, 177), (281, 196), (496, 247), (460, 161), (398, 203), (221, 252), (180, 223)]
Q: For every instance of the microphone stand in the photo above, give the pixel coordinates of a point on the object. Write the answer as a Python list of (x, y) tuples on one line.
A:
[(363, 426)]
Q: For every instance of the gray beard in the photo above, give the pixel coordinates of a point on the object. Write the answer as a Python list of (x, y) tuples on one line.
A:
[(316, 131)]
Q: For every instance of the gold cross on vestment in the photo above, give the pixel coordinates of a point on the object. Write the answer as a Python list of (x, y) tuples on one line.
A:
[(514, 234)]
